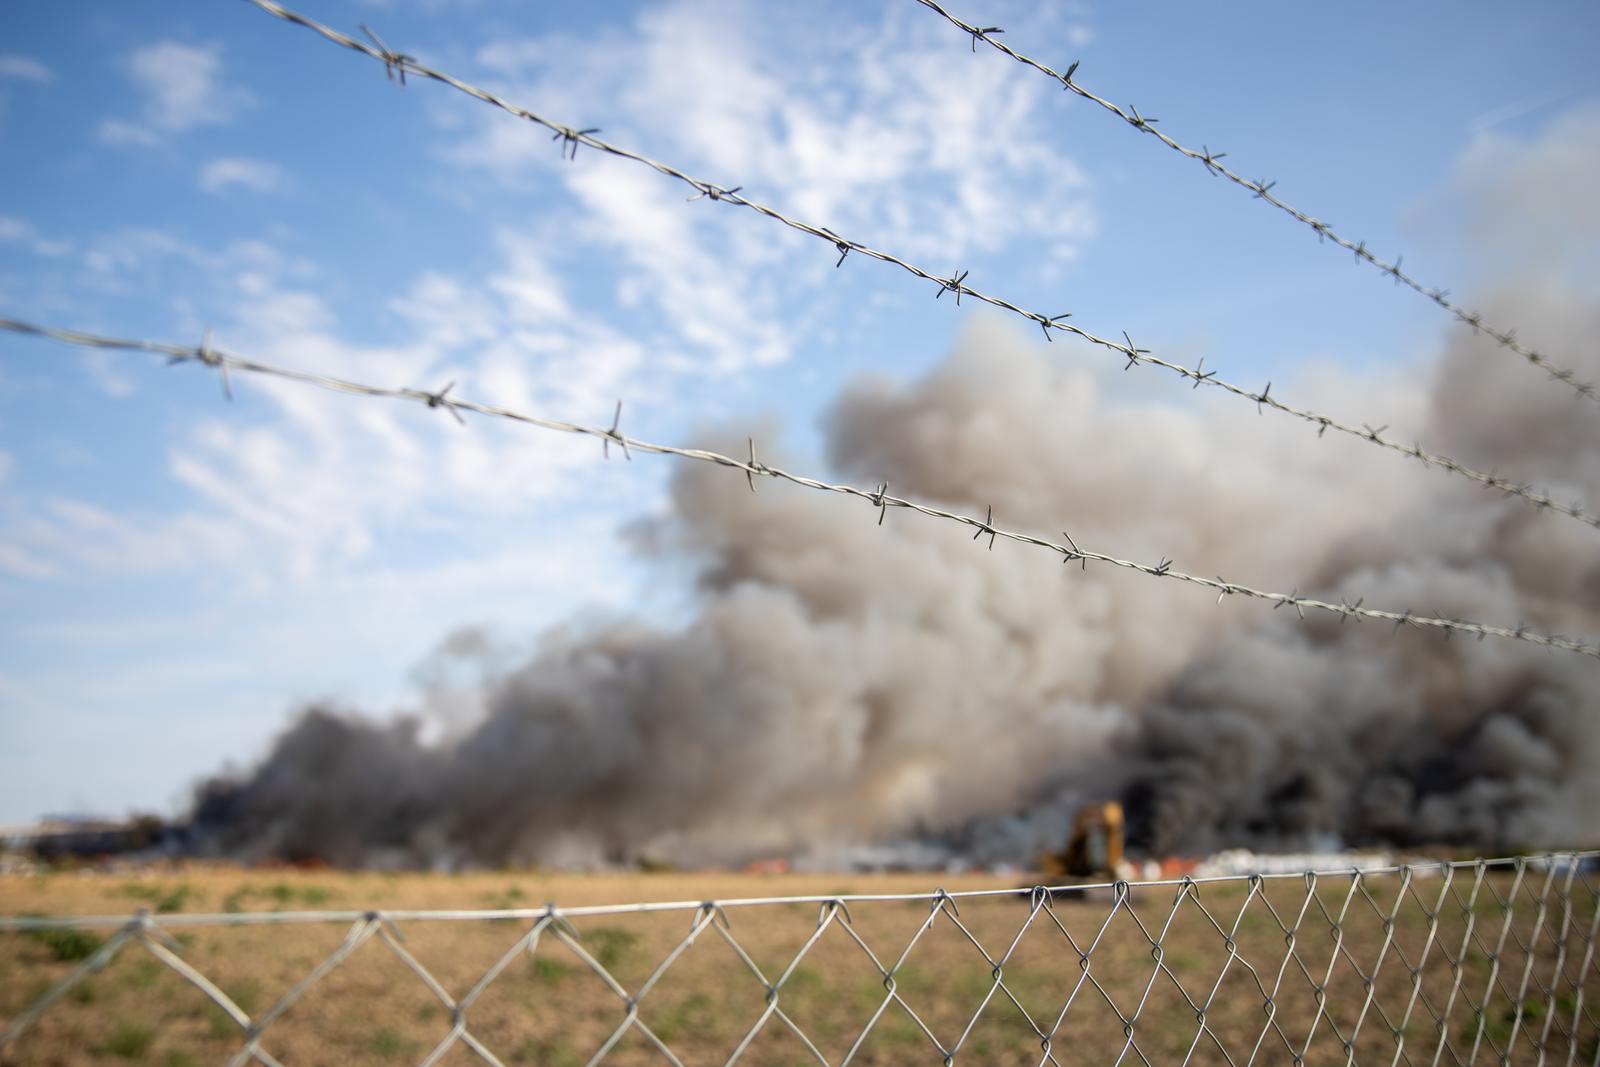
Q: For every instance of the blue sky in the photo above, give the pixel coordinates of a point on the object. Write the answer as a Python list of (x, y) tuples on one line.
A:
[(176, 572)]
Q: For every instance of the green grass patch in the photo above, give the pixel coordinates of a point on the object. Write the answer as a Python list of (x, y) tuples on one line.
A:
[(313, 896), (68, 943), (549, 972), (281, 894), (801, 979), (694, 1014), (510, 897), (143, 974), (610, 945), (1497, 1027), (162, 899), (388, 1041), (130, 1040), (898, 1028), (247, 995)]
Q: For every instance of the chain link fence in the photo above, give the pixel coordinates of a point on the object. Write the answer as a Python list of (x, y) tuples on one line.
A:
[(1475, 962), (1478, 962)]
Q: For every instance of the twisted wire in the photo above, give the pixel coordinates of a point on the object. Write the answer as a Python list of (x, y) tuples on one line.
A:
[(570, 138), (1545, 942), (879, 498), (1262, 190)]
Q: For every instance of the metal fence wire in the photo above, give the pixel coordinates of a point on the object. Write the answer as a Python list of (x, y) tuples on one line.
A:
[(1261, 189), (207, 355), (1476, 962), (567, 140), (1488, 961)]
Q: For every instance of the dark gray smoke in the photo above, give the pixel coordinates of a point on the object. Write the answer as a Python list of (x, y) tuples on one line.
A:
[(844, 684), (1355, 733)]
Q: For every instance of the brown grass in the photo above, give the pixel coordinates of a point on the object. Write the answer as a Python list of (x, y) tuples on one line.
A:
[(549, 1008)]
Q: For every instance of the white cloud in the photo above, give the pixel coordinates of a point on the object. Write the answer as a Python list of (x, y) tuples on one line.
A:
[(16, 231), (430, 6), (308, 482), (143, 259), (238, 172), (301, 509), (1512, 110), (716, 301), (108, 374), (20, 563), (860, 128), (182, 87), (25, 68), (134, 248)]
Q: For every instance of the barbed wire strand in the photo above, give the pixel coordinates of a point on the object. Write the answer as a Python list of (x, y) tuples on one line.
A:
[(1563, 991), (1262, 190), (571, 138), (208, 355)]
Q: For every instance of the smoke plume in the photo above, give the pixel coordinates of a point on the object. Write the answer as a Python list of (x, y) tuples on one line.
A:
[(843, 684)]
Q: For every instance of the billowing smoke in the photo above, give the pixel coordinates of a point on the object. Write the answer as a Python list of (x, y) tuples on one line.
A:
[(842, 683), (1325, 730)]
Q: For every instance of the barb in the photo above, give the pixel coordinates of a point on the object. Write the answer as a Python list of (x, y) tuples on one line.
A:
[(1295, 943), (878, 498), (394, 63), (569, 135), (1261, 189)]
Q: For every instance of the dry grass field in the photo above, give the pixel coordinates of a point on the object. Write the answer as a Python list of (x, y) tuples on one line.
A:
[(549, 1007)]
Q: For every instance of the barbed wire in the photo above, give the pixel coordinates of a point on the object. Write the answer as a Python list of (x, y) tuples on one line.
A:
[(1068, 549), (570, 138), (1262, 190), (1521, 892)]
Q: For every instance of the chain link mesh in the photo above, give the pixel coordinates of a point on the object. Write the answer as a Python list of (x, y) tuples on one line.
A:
[(1478, 962)]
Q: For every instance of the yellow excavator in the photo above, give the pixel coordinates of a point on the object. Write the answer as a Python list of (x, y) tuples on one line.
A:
[(1095, 849)]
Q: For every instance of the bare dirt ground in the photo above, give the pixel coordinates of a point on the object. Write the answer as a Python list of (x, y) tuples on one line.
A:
[(1457, 986)]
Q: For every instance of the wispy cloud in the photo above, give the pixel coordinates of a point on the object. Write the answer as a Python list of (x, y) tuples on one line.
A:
[(16, 231), (25, 68), (864, 132), (838, 134), (1516, 109), (182, 88), (307, 483), (14, 559), (238, 172), (430, 6), (20, 563)]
